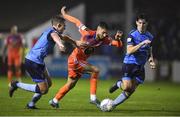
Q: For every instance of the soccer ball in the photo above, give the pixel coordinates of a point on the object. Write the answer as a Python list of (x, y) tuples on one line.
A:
[(106, 105)]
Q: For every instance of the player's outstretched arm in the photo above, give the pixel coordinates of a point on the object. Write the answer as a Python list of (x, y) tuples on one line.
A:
[(58, 41), (69, 17), (131, 49)]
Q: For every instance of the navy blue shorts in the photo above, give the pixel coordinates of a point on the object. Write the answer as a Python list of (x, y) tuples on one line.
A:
[(35, 70), (133, 71)]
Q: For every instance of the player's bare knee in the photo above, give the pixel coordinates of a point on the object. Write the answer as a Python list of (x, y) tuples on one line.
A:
[(43, 87), (44, 91), (127, 88)]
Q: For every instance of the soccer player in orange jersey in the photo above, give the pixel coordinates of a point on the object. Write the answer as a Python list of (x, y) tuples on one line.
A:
[(14, 44), (77, 61)]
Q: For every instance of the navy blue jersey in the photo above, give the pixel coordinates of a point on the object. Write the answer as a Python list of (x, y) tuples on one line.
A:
[(141, 55)]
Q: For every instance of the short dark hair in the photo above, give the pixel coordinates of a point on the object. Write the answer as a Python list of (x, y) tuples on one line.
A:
[(103, 25), (142, 16), (57, 19)]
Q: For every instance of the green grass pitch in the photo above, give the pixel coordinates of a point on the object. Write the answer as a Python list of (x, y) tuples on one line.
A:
[(150, 99)]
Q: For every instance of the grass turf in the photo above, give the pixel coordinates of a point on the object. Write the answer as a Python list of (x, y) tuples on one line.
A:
[(150, 99)]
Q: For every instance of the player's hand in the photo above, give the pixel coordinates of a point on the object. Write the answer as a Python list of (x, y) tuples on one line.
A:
[(63, 12), (118, 35), (145, 42), (62, 47), (152, 63)]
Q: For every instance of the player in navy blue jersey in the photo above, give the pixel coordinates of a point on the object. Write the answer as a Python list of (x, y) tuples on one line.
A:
[(139, 51), (34, 60)]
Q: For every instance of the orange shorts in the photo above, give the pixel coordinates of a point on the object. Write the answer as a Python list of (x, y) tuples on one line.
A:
[(14, 59), (76, 67)]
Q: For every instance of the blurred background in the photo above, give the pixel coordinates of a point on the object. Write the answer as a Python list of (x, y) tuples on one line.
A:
[(33, 16)]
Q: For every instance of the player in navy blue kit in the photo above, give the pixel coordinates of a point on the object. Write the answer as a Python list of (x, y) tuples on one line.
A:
[(34, 60), (139, 51)]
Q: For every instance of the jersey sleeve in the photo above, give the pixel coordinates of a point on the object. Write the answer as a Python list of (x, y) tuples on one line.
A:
[(130, 40), (111, 42), (88, 35), (82, 28)]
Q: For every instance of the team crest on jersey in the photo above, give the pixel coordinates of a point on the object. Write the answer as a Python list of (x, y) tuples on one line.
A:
[(129, 39)]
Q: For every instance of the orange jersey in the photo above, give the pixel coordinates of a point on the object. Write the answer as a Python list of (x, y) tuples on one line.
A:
[(14, 43), (89, 36)]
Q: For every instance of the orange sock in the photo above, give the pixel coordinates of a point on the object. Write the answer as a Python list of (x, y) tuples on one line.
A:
[(10, 74), (93, 83), (62, 92)]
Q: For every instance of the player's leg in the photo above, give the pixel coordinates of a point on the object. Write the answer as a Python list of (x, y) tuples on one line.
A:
[(94, 71), (10, 68), (39, 89), (43, 87), (71, 82), (37, 96), (119, 84), (133, 76), (128, 89), (116, 86), (36, 71), (18, 63), (74, 73), (48, 78)]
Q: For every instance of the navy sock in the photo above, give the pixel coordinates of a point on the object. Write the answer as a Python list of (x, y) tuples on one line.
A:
[(37, 89), (36, 97)]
